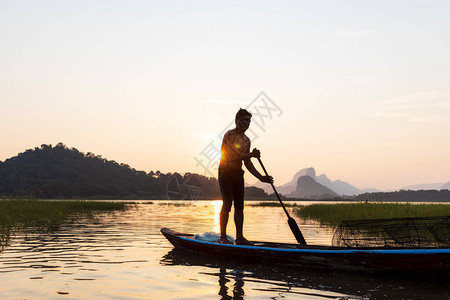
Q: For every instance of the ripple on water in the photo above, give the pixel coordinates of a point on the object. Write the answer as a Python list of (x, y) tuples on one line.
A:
[(123, 255)]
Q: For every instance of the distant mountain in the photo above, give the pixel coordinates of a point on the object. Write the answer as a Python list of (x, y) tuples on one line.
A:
[(309, 188), (445, 186), (292, 185), (338, 186), (424, 186), (287, 187)]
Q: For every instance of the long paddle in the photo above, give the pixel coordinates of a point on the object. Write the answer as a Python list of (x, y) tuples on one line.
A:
[(292, 224)]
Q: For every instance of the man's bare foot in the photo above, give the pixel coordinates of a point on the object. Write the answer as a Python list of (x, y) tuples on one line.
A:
[(244, 241), (224, 240)]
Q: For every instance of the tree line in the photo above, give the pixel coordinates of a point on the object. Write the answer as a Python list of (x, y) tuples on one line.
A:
[(407, 196), (60, 172)]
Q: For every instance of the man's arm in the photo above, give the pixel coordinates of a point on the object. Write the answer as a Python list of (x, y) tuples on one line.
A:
[(247, 155), (249, 165)]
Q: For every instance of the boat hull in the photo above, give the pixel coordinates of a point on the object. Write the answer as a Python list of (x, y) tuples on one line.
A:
[(433, 261)]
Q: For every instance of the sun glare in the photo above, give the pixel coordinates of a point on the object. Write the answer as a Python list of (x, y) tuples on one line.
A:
[(217, 207)]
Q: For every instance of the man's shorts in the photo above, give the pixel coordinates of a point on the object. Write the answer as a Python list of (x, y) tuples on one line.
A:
[(231, 183)]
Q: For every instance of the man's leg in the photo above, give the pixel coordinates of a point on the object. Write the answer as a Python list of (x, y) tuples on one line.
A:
[(238, 195), (239, 222), (226, 189), (224, 215)]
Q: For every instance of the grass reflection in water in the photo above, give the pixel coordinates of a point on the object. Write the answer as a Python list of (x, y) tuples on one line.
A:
[(44, 215)]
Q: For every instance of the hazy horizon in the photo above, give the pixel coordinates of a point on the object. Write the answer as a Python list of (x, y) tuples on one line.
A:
[(361, 90)]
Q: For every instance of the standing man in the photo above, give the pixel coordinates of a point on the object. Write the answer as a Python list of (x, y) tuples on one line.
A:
[(235, 149)]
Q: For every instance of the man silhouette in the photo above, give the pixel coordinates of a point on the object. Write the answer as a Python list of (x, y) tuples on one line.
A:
[(235, 149)]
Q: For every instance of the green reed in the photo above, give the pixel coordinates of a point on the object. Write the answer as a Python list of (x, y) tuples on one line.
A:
[(47, 215), (334, 214)]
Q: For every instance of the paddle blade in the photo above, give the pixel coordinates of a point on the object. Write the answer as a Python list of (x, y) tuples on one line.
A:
[(296, 231)]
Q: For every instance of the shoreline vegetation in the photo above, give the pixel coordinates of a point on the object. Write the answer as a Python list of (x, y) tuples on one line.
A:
[(24, 215), (334, 214)]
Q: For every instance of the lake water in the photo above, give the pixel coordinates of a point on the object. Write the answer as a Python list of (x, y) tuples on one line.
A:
[(123, 255)]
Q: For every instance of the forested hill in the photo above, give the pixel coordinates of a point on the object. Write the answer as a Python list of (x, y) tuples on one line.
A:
[(59, 172)]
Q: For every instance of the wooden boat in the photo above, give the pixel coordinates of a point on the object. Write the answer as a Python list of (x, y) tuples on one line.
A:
[(432, 261)]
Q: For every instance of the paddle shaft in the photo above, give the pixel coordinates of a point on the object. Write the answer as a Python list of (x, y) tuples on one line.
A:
[(276, 193), (292, 224)]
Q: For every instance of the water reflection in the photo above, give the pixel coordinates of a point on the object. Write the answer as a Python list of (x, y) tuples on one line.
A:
[(124, 255), (238, 280), (238, 286)]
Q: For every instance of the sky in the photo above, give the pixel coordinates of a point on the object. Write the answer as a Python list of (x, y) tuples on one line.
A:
[(359, 90)]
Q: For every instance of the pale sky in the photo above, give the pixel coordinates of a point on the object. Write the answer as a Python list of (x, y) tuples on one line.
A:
[(363, 86)]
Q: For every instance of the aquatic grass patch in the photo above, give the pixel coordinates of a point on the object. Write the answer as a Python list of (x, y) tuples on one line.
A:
[(144, 203), (417, 232), (47, 215), (334, 214)]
